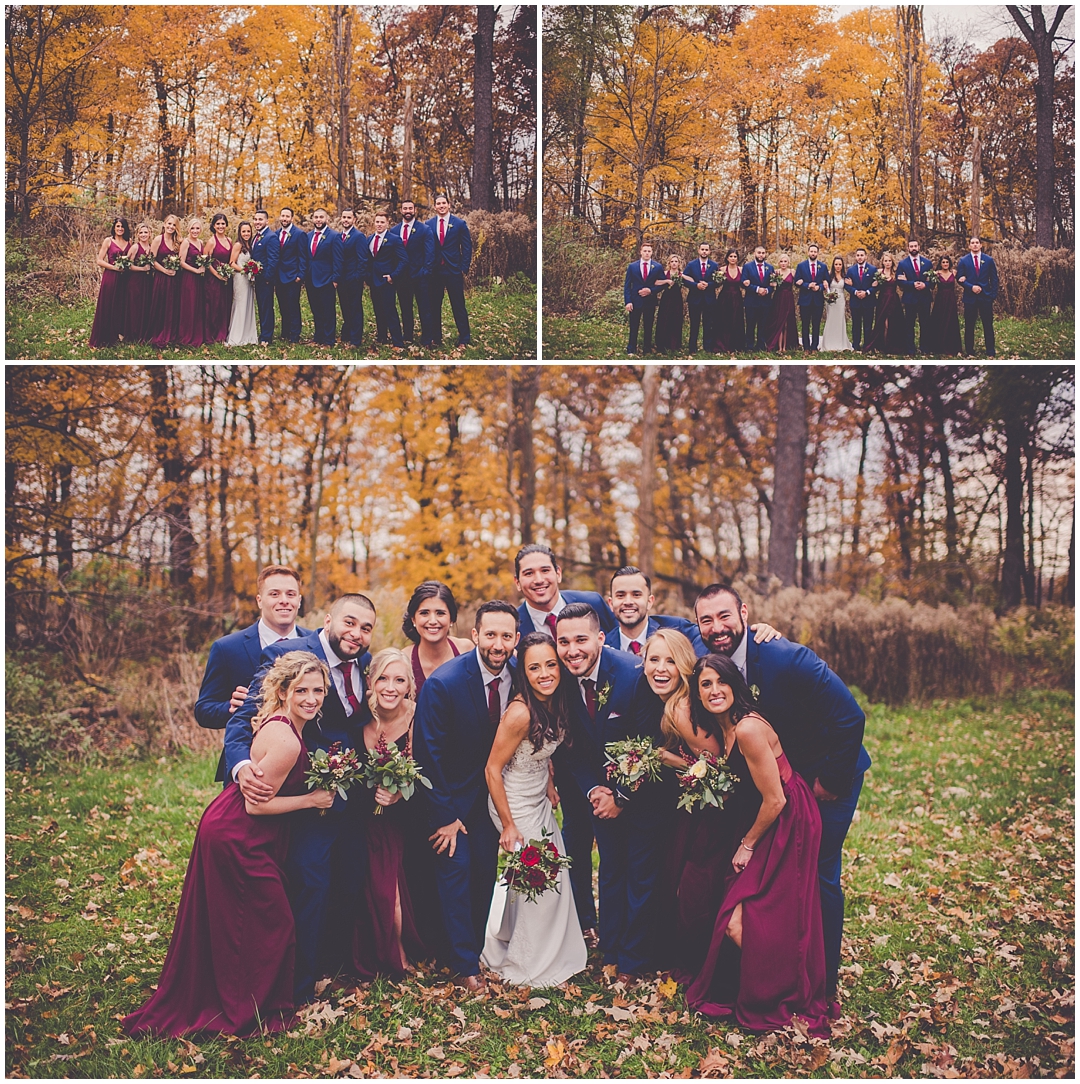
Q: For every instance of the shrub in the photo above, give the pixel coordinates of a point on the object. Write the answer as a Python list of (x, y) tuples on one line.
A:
[(504, 244), (578, 272), (38, 731)]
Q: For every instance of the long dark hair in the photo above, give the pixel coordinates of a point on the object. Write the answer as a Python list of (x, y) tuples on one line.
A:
[(729, 674), (127, 230), (549, 721), (216, 218), (245, 246), (428, 589), (731, 252)]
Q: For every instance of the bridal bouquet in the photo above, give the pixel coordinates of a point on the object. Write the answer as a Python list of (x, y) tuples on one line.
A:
[(122, 263), (388, 767), (171, 262), (831, 296), (253, 269), (143, 259), (533, 869), (706, 781), (631, 761), (333, 769)]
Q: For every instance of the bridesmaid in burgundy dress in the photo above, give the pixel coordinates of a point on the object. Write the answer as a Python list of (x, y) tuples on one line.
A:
[(165, 302), (428, 619), (229, 968), (783, 333), (387, 933), (766, 960), (944, 319), (192, 294), (730, 329), (140, 289), (109, 315), (890, 333), (670, 309), (218, 286)]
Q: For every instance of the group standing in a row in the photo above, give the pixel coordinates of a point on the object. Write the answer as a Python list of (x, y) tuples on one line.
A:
[(743, 307), (173, 291), (506, 726)]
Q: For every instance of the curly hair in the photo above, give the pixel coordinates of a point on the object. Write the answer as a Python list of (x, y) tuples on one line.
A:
[(682, 652), (379, 662), (279, 680), (550, 721)]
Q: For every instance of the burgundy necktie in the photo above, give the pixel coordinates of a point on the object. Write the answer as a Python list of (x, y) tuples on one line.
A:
[(494, 705), (315, 241), (702, 268), (813, 270), (442, 231), (590, 696), (644, 270), (405, 234), (860, 272), (375, 252), (635, 647), (350, 695), (551, 621), (282, 237), (976, 265), (761, 271)]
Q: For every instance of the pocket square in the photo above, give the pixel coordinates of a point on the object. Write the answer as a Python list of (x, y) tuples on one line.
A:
[(614, 715)]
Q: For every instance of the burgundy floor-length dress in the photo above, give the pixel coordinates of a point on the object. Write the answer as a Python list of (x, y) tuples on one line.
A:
[(945, 321), (730, 325), (890, 335), (780, 971), (230, 963), (140, 292), (165, 303), (218, 297), (192, 302), (669, 319), (109, 314), (783, 330), (391, 836), (418, 670)]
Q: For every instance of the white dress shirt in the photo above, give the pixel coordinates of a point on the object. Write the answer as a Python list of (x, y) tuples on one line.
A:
[(625, 641), (738, 656), (539, 617), (267, 636), (505, 682)]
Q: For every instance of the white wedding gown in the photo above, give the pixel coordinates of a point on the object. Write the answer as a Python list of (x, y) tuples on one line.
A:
[(243, 325), (835, 334), (535, 943)]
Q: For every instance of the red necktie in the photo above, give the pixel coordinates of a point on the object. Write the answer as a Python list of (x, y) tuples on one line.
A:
[(315, 242), (702, 268), (644, 270), (551, 621), (761, 271), (590, 696), (282, 237), (494, 706), (915, 263), (375, 252), (976, 265), (635, 647), (350, 695), (860, 272), (442, 231), (405, 234), (813, 271)]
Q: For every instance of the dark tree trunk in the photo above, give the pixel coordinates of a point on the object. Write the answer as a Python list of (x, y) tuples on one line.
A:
[(788, 472), (483, 196), (748, 222), (1069, 598), (1012, 565), (525, 389)]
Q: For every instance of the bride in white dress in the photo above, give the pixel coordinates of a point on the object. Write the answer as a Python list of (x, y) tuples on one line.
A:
[(835, 335), (243, 325), (535, 943)]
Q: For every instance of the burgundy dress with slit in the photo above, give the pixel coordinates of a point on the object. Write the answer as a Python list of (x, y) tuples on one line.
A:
[(109, 314), (945, 321), (218, 297), (140, 291), (165, 302), (730, 324), (780, 970), (192, 301), (229, 968), (783, 330)]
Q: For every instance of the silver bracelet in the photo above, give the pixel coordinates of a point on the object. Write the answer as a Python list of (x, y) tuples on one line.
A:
[(743, 843)]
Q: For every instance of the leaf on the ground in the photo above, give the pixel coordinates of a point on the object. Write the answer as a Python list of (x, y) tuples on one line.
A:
[(714, 1064), (668, 988), (539, 1002), (892, 880), (435, 1052)]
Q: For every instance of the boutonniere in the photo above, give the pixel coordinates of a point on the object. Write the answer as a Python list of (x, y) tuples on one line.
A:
[(755, 692), (604, 695), (367, 674)]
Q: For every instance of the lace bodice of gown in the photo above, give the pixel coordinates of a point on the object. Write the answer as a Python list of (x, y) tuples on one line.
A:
[(525, 778)]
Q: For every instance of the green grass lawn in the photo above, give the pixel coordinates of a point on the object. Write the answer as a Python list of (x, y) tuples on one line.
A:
[(567, 338), (502, 318), (958, 956)]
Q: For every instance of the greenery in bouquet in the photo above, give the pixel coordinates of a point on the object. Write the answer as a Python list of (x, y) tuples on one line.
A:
[(225, 269), (333, 769), (631, 761), (122, 263), (831, 296), (388, 767), (253, 268), (707, 780), (143, 259), (534, 869), (879, 279), (931, 278), (170, 262), (202, 260)]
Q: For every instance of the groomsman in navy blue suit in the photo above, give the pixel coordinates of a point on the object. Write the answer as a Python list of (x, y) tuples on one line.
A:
[(324, 849), (631, 601), (323, 275), (387, 264), (457, 716), (757, 304), (265, 249), (354, 270), (701, 300), (811, 276), (977, 273), (291, 272), (639, 296), (916, 293), (819, 725), (453, 254), (859, 283), (235, 657), (537, 577), (629, 828), (419, 244)]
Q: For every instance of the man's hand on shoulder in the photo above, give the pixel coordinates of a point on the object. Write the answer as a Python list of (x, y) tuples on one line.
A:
[(239, 695), (765, 634), (252, 786)]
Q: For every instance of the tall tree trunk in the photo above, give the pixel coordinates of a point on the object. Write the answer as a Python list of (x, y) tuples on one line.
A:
[(650, 383), (483, 196), (748, 222), (860, 496), (909, 26), (953, 576), (1012, 565), (525, 390), (1029, 568), (406, 150), (1069, 598), (788, 472)]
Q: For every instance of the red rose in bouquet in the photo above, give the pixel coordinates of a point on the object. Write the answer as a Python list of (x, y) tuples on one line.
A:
[(534, 868), (530, 856)]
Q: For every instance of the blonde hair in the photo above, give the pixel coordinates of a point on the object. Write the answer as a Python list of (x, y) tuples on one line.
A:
[(164, 225), (892, 259), (279, 680), (193, 221), (379, 662), (673, 256), (685, 659)]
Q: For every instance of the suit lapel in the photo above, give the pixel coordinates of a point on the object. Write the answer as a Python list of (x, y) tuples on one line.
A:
[(476, 687), (753, 661), (254, 648)]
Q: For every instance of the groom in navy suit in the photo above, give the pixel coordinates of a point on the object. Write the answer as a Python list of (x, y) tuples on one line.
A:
[(820, 727), (859, 283), (811, 277), (235, 657), (323, 275), (457, 716), (265, 249), (757, 305), (291, 272), (319, 845), (977, 273), (639, 296), (628, 828), (916, 293)]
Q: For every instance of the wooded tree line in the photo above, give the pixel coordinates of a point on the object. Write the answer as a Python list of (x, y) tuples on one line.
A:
[(781, 125), (168, 487), (175, 108)]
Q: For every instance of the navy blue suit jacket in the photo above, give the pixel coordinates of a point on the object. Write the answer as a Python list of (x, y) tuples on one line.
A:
[(325, 266), (753, 299), (693, 271), (681, 624), (452, 738), (293, 255), (634, 282), (987, 277), (354, 257), (391, 260), (267, 250), (806, 295), (454, 255), (233, 660), (420, 250), (867, 284), (818, 721), (909, 295), (609, 623)]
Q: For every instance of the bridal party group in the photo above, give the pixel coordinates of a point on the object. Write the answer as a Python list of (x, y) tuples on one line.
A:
[(752, 306), (713, 765), (183, 289)]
